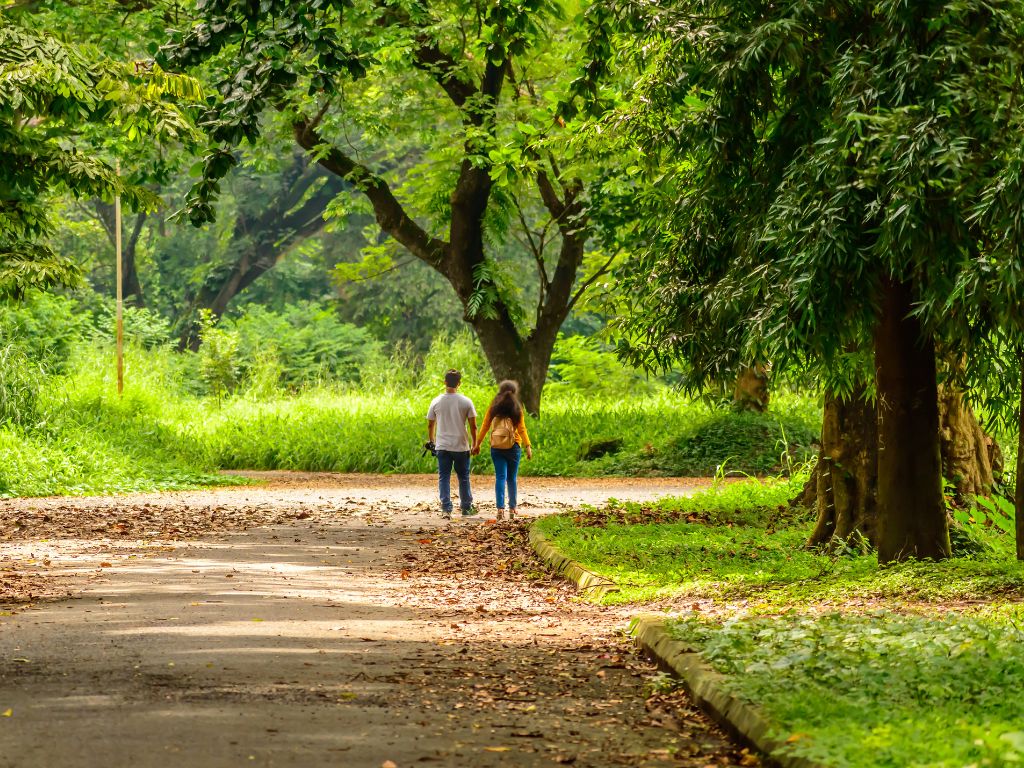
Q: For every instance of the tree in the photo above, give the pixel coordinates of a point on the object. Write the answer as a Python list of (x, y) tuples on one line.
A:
[(832, 210), (49, 92), (471, 94), (262, 235)]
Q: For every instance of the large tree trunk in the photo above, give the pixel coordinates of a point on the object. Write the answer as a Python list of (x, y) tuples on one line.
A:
[(843, 486), (296, 214), (524, 361), (970, 458), (462, 258), (751, 390), (1018, 495), (912, 512)]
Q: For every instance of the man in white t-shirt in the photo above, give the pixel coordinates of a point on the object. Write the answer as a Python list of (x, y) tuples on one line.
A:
[(447, 420)]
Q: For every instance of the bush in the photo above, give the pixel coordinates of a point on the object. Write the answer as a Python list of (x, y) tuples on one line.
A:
[(307, 342), (45, 327), (735, 442), (583, 364), (20, 379), (218, 356)]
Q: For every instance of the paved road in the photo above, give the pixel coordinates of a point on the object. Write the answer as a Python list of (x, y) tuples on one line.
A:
[(361, 634)]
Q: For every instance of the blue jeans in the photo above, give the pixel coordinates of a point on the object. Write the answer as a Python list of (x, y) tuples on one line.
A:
[(506, 471), (460, 461)]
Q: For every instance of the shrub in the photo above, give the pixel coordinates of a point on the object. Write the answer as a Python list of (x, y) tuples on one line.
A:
[(218, 356), (20, 379), (311, 344), (583, 364)]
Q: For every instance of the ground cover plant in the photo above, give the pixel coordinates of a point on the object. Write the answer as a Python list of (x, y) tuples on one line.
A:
[(855, 664), (879, 689)]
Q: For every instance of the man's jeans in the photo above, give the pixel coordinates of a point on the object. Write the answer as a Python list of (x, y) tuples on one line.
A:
[(445, 461)]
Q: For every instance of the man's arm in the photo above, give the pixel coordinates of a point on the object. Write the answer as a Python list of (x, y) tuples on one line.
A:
[(472, 434), (431, 429)]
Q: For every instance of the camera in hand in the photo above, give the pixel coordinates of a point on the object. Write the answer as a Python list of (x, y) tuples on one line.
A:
[(430, 448)]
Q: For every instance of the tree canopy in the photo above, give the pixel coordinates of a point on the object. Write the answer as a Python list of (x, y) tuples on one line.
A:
[(832, 179), (446, 118), (51, 94)]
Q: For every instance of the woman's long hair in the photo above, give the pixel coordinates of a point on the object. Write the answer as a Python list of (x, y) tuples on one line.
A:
[(506, 403)]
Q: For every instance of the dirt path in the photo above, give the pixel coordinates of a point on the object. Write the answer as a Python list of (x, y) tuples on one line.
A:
[(350, 629)]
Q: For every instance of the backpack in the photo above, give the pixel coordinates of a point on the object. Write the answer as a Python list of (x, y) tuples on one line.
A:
[(503, 434)]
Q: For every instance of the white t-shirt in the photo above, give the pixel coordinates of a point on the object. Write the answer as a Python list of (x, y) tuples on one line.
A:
[(451, 411)]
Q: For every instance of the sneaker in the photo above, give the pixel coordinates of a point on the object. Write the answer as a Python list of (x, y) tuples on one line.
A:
[(471, 512), (511, 514), (500, 515), (446, 514)]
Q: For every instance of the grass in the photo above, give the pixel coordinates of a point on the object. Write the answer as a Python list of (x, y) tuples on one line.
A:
[(913, 664), (881, 689), (739, 542), (81, 438)]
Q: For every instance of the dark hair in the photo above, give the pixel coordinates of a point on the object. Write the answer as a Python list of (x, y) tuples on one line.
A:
[(506, 404), (452, 378)]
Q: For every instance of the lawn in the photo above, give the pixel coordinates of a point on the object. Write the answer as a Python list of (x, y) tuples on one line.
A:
[(914, 664)]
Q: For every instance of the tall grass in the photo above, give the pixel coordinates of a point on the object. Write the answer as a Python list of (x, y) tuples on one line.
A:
[(163, 434)]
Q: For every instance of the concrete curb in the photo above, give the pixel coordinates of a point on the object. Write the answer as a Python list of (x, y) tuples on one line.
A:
[(707, 688), (591, 584)]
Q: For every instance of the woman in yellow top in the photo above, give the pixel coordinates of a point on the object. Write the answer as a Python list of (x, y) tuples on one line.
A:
[(507, 422)]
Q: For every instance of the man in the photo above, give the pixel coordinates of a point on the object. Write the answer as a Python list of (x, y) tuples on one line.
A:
[(447, 420)]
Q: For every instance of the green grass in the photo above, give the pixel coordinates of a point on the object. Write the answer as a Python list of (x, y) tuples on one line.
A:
[(740, 542), (879, 690), (913, 664), (82, 439)]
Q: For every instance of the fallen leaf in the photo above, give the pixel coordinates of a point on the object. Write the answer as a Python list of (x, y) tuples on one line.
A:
[(7, 713), (497, 749), (388, 764), (105, 564)]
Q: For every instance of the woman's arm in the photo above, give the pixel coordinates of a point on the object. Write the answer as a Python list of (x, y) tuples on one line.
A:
[(483, 431), (524, 436)]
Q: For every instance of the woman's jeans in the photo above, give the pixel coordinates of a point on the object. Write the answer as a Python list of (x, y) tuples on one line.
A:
[(506, 470)]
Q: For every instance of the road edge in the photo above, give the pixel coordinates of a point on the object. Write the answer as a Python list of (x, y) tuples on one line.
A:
[(708, 690), (593, 585), (705, 685)]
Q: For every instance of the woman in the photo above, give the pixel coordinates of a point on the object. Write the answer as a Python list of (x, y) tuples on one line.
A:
[(507, 423)]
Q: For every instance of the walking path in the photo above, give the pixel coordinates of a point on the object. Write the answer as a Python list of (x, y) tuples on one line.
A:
[(350, 629)]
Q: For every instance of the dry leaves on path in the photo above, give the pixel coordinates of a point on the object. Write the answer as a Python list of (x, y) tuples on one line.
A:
[(522, 650)]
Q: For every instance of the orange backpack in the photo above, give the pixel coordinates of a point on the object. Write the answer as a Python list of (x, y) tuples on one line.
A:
[(503, 434)]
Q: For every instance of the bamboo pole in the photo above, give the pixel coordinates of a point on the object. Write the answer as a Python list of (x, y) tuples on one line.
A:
[(120, 291)]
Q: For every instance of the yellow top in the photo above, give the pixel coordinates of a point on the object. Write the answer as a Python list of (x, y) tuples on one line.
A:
[(522, 436)]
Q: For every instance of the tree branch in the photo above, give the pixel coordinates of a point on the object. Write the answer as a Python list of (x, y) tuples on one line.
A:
[(604, 270), (389, 212)]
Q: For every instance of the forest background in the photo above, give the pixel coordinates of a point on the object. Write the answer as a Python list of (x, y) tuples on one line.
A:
[(290, 333)]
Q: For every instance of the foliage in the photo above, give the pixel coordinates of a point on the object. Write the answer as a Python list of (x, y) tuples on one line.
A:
[(802, 153), (171, 415), (584, 364), (84, 439), (742, 442), (218, 356), (51, 90), (46, 327), (447, 122), (19, 386), (879, 689), (308, 341)]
